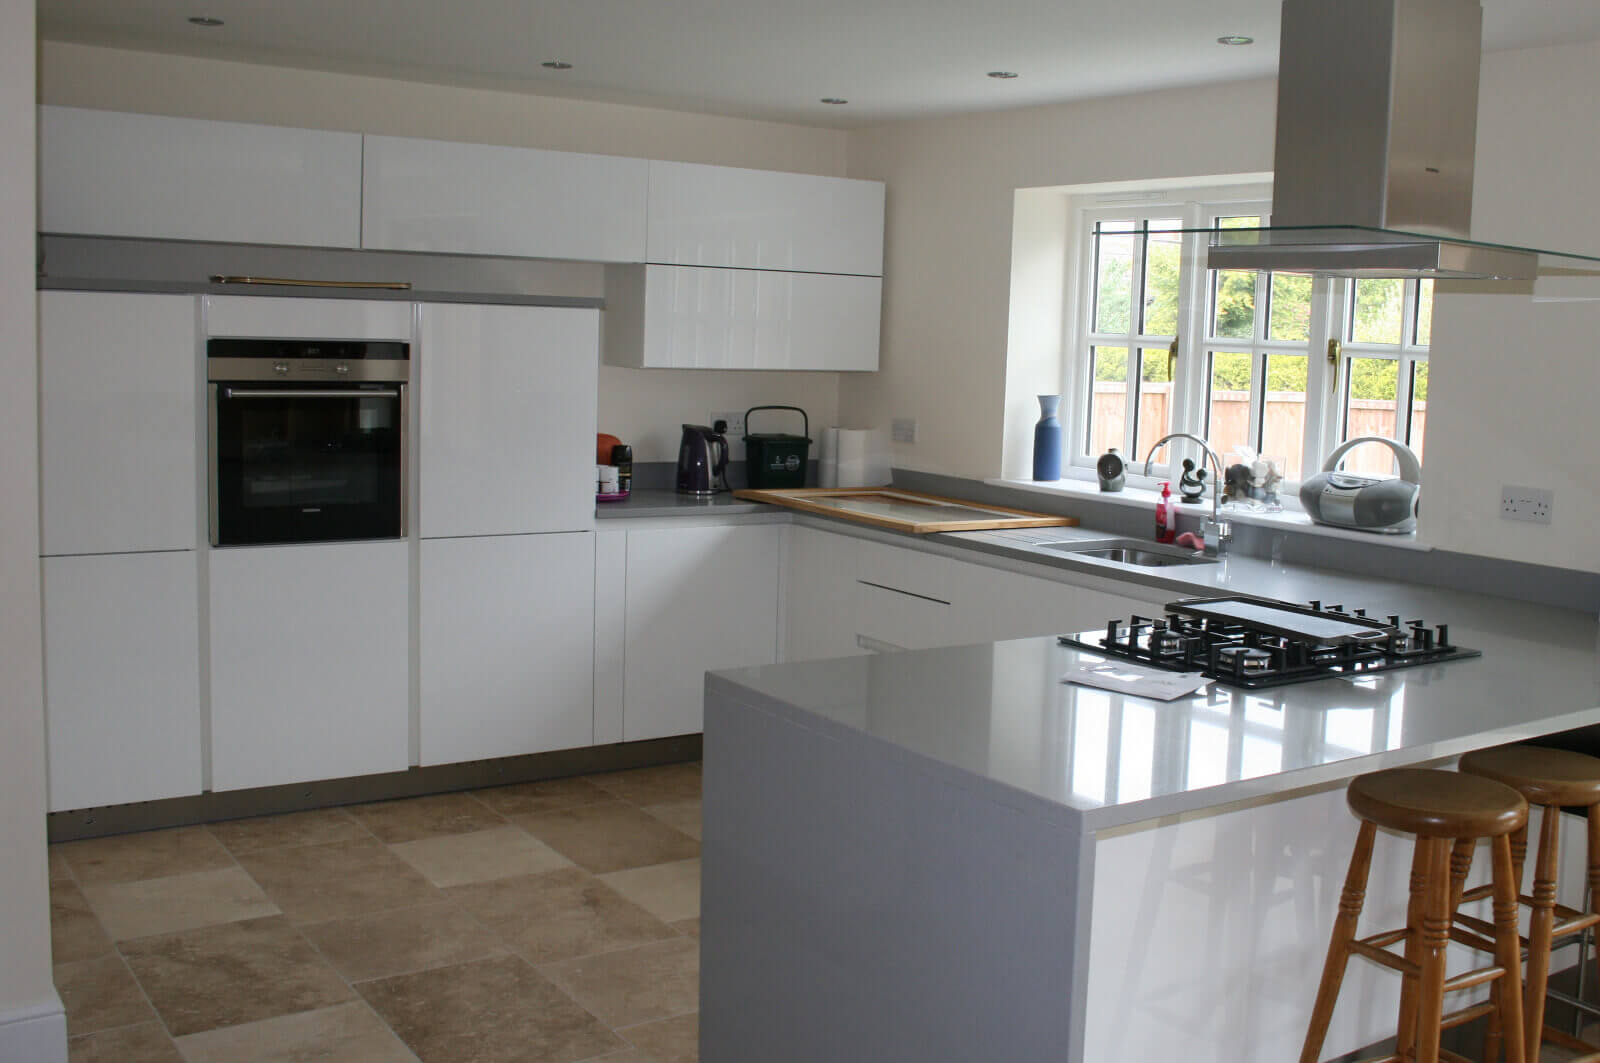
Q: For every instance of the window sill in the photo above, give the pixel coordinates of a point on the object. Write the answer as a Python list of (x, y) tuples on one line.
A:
[(1144, 498)]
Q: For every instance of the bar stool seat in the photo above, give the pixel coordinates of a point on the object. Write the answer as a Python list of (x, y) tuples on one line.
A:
[(1544, 776), (1551, 779), (1444, 810)]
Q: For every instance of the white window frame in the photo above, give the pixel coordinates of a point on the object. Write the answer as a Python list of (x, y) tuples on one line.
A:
[(1330, 319)]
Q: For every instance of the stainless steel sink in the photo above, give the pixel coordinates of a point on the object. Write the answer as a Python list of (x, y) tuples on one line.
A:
[(1130, 552)]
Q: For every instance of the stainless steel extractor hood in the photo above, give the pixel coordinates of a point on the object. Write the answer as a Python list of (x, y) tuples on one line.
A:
[(1376, 134)]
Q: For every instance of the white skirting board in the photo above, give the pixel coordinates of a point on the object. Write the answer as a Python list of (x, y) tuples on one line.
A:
[(36, 1034)]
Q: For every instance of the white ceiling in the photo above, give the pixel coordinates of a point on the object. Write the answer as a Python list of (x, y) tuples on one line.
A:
[(891, 59)]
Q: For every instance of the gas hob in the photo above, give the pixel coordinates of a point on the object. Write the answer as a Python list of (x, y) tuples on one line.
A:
[(1254, 642)]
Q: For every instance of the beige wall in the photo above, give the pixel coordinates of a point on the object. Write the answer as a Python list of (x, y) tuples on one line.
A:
[(642, 406), (25, 986), (1514, 380)]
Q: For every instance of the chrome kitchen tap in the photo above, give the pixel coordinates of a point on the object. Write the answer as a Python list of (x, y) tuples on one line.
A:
[(1217, 531)]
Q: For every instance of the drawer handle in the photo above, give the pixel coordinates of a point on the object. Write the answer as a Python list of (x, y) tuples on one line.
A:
[(296, 282)]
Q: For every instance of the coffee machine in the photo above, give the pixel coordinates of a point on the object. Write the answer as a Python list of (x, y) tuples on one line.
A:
[(703, 460)]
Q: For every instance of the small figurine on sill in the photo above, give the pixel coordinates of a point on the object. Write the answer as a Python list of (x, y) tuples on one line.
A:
[(1192, 484)]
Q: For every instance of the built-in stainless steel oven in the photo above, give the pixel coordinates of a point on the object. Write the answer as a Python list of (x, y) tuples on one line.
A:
[(308, 440)]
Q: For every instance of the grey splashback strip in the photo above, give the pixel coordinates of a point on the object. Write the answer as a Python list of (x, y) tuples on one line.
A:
[(1542, 584), (663, 475), (79, 263)]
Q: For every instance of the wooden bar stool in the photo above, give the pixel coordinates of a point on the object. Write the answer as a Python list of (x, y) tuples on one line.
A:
[(1551, 779), (1438, 807)]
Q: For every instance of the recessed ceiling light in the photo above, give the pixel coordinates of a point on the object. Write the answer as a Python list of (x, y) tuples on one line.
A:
[(206, 20), (1004, 75), (555, 64), (1234, 40), (834, 100)]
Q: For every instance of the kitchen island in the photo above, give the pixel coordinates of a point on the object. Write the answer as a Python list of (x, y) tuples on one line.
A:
[(952, 855)]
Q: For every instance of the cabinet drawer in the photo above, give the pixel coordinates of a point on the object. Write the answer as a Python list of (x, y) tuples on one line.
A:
[(887, 621), (908, 571)]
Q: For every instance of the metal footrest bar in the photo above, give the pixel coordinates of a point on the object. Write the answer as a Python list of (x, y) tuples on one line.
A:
[(1571, 1001)]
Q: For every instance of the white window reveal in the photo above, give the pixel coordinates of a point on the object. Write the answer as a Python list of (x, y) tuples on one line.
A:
[(1279, 364)]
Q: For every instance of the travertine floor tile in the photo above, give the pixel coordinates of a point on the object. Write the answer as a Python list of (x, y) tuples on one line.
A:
[(75, 932), (316, 883), (100, 995), (346, 1033), (684, 815), (602, 838), (542, 796), (232, 973), (153, 854), (636, 985), (669, 892), (653, 786), (145, 1043), (492, 1011), (688, 927), (559, 914), (60, 871), (426, 817), (674, 1040), (177, 902), (401, 942), (452, 859), (318, 827)]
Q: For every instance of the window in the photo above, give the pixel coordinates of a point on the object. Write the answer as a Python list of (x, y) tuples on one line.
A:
[(1244, 360)]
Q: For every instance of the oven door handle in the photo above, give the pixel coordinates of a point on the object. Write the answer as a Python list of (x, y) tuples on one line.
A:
[(309, 393)]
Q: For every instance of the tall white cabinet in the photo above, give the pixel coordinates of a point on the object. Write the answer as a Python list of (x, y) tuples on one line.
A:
[(119, 486), (506, 567)]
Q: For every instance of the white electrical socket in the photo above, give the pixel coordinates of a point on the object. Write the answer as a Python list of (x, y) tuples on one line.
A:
[(903, 429), (735, 433), (1531, 504)]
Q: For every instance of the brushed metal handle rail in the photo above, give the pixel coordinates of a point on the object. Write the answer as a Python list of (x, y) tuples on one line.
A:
[(298, 282)]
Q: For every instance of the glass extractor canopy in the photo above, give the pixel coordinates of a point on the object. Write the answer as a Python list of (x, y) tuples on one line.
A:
[(1361, 251)]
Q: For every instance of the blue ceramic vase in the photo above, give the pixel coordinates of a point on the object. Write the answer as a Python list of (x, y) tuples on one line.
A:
[(1047, 440)]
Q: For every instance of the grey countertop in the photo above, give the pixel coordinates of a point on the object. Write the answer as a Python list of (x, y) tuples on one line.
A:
[(668, 503), (998, 715)]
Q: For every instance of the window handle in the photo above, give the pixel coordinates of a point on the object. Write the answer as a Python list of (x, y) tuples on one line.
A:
[(1334, 347)]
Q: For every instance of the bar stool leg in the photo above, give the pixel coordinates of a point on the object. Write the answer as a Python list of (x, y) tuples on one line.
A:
[(1508, 951), (1540, 923), (1344, 932), (1405, 1043), (1434, 932), (1594, 905)]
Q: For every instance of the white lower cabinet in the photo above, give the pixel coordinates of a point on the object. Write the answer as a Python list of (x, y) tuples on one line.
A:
[(699, 599), (310, 673), (122, 677), (506, 645), (819, 590)]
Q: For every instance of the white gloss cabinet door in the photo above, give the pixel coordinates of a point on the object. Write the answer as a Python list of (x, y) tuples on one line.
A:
[(759, 219), (508, 399), (819, 594), (122, 678), (118, 422), (310, 674), (482, 199), (690, 317), (699, 599), (108, 173), (506, 645)]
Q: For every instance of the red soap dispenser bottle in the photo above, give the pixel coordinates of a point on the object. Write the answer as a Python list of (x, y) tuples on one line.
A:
[(1166, 515)]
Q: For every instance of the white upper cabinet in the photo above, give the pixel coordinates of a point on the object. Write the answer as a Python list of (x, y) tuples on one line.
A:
[(692, 317), (759, 219), (508, 399), (106, 173), (481, 199), (119, 423)]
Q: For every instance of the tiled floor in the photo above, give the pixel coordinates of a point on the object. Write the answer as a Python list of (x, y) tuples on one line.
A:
[(554, 921)]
